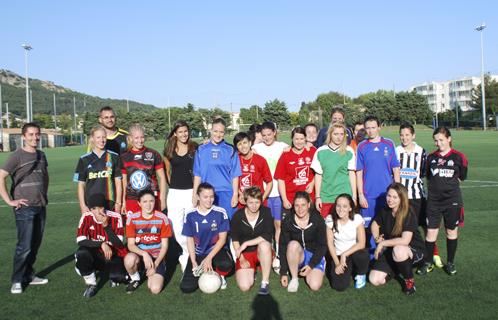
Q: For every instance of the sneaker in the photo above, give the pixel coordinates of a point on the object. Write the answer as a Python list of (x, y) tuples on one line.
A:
[(360, 281), (16, 288), (409, 288), (438, 262), (425, 268), (132, 286), (293, 285), (223, 283), (276, 265), (264, 289), (450, 268), (113, 284), (90, 291), (37, 280)]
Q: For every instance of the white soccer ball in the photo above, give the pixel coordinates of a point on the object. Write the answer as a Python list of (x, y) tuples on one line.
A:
[(209, 282)]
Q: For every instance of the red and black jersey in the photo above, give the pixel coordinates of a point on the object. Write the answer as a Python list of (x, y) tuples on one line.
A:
[(444, 174), (90, 229), (140, 168)]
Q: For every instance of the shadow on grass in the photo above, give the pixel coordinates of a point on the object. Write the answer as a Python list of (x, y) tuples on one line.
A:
[(61, 262), (265, 307)]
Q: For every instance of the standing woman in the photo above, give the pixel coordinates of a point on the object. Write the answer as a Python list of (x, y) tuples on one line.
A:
[(334, 164), (303, 244), (217, 163), (99, 172), (179, 151), (142, 168), (446, 167), (399, 243), (346, 242)]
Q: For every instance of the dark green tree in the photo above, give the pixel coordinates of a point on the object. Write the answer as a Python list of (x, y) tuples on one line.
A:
[(277, 112)]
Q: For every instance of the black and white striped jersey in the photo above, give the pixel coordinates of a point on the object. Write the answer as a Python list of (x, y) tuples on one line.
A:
[(412, 170)]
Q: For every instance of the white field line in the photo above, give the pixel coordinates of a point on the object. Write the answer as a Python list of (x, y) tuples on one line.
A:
[(479, 181), (481, 186)]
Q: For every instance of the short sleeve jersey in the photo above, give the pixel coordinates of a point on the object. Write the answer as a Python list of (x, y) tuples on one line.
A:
[(217, 164), (148, 232), (90, 229), (412, 170), (29, 175), (376, 160), (271, 154), (98, 173), (334, 168), (117, 142), (384, 218), (205, 228), (346, 236), (140, 168), (295, 170), (255, 171), (444, 174)]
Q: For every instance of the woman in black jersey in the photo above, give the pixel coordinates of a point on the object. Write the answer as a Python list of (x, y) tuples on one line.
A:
[(303, 244), (178, 153), (399, 243), (446, 167)]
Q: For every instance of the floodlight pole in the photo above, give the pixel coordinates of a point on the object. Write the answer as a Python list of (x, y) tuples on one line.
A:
[(27, 48), (483, 90)]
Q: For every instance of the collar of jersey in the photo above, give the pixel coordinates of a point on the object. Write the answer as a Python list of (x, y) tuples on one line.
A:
[(139, 151), (204, 213)]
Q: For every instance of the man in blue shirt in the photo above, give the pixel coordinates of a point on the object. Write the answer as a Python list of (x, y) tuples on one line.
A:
[(217, 163)]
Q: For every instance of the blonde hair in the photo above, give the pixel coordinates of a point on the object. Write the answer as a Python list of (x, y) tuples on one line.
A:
[(344, 143), (134, 127), (92, 133)]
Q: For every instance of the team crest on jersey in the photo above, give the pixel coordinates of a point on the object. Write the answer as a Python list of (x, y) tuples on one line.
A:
[(138, 180), (148, 156), (123, 145), (451, 163), (386, 152), (153, 230), (245, 168), (108, 164), (214, 226), (215, 154), (308, 159), (252, 168), (300, 162)]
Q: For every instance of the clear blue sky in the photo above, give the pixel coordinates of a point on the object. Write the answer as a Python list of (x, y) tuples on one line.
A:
[(245, 52)]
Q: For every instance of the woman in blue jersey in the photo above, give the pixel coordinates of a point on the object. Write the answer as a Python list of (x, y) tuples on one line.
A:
[(206, 228), (179, 151), (217, 163)]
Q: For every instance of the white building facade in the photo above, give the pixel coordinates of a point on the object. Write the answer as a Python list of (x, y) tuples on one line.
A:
[(447, 95)]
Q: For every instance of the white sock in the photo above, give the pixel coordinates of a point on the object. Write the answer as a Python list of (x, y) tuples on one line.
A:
[(265, 282), (135, 276), (90, 279)]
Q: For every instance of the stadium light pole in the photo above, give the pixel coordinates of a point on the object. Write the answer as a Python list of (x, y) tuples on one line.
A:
[(27, 48), (483, 90)]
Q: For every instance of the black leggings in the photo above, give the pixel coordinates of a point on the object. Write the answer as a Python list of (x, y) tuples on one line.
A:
[(222, 263), (88, 260), (358, 262)]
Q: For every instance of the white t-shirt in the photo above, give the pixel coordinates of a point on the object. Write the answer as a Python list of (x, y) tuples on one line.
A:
[(346, 237), (271, 154)]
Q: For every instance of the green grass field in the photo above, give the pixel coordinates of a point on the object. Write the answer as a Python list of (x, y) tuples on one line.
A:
[(472, 293)]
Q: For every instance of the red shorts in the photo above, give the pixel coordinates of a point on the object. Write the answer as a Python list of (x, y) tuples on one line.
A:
[(132, 206), (327, 209), (251, 257)]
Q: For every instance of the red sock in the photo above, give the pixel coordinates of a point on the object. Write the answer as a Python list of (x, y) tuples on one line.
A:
[(436, 250)]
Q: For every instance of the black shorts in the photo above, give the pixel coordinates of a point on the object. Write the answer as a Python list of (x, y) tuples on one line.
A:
[(419, 207), (387, 264), (160, 270), (451, 212)]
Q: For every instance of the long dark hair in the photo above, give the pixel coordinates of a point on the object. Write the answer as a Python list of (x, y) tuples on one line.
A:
[(335, 216), (403, 210), (171, 142)]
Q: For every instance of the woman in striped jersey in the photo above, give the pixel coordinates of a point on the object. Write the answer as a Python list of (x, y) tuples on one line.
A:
[(413, 160)]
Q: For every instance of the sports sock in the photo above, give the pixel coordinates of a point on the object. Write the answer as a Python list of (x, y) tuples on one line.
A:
[(135, 276), (90, 279), (264, 282), (436, 250), (405, 268), (451, 247), (429, 251)]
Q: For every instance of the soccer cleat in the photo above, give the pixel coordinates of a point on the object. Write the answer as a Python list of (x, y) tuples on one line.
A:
[(16, 288), (264, 289), (113, 284), (450, 268), (37, 280), (293, 285), (90, 291), (276, 265), (198, 271), (438, 262), (409, 288), (360, 281), (223, 283), (132, 286), (425, 268)]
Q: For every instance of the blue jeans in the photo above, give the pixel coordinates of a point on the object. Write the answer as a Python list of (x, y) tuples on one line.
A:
[(30, 223)]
